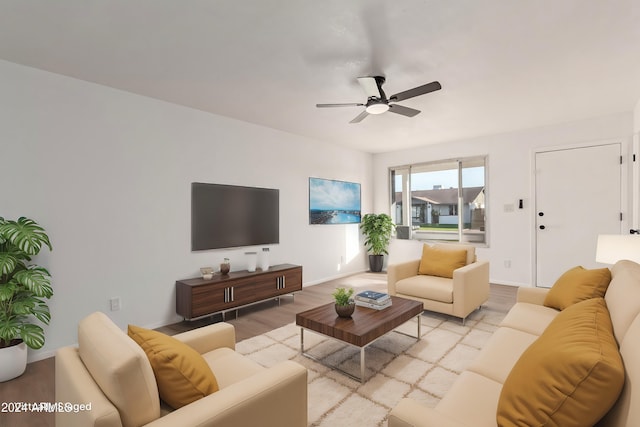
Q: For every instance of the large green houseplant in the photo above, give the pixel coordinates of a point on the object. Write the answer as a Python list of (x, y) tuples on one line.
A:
[(23, 286), (377, 229)]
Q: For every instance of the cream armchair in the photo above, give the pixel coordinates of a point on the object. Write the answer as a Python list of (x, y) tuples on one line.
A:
[(111, 376), (458, 296)]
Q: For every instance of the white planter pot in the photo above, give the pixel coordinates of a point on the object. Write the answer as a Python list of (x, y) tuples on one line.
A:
[(13, 361)]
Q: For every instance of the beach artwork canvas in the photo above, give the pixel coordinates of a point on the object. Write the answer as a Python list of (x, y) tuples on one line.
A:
[(333, 202)]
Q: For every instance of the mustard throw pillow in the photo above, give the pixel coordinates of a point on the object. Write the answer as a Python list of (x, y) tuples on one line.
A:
[(578, 284), (570, 376), (441, 262), (182, 374)]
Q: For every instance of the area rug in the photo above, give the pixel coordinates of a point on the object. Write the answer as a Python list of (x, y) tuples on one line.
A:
[(398, 365)]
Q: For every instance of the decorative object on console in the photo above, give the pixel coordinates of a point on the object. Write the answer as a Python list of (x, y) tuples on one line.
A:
[(23, 289), (264, 259), (333, 202), (615, 247), (206, 272), (377, 231), (252, 258), (345, 305), (225, 266)]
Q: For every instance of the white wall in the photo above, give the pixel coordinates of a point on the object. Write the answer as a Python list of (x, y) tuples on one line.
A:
[(510, 178), (108, 174)]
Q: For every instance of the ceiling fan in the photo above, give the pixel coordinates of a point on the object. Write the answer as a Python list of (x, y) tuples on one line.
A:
[(377, 101)]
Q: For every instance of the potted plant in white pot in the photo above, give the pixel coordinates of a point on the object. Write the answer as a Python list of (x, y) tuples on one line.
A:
[(23, 290), (377, 229)]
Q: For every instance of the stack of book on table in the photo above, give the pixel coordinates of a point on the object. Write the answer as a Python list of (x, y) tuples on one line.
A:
[(372, 299)]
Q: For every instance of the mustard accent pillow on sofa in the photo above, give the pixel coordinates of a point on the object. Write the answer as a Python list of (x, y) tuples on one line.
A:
[(570, 376), (441, 262), (578, 284), (182, 374)]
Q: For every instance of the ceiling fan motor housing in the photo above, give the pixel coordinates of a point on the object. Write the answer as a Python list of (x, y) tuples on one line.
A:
[(377, 106)]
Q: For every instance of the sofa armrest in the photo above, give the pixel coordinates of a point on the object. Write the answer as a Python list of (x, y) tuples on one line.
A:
[(210, 337), (410, 413), (470, 287), (275, 397), (74, 384), (399, 271), (532, 295)]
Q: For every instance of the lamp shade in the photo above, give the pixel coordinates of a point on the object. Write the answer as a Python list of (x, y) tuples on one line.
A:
[(615, 247)]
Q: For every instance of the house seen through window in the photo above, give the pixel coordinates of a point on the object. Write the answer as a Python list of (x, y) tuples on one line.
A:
[(446, 199)]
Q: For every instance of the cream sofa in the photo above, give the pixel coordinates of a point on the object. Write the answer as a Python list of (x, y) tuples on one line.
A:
[(458, 296), (473, 398), (109, 371)]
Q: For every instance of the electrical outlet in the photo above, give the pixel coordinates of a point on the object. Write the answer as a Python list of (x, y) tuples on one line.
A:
[(115, 304)]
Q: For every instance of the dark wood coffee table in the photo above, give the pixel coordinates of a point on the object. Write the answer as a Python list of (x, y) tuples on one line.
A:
[(361, 329)]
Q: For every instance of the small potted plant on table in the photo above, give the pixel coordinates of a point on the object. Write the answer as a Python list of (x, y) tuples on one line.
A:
[(345, 305)]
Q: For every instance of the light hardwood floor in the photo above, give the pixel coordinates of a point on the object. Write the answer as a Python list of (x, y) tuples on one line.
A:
[(37, 383)]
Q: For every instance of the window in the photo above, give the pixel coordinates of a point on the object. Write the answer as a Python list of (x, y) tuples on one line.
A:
[(447, 200)]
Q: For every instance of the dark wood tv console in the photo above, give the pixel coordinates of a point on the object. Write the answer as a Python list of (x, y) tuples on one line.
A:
[(198, 297)]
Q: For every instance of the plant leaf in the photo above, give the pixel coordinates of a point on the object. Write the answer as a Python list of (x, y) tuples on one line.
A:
[(9, 330), (8, 290), (24, 305), (37, 280), (32, 335), (41, 312), (25, 234), (8, 262)]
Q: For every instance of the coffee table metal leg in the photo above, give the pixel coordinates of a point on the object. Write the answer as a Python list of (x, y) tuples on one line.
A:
[(362, 365), (418, 319), (301, 340)]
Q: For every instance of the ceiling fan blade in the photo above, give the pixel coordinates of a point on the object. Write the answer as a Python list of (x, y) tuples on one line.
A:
[(416, 91), (370, 86), (339, 105), (405, 111), (360, 117)]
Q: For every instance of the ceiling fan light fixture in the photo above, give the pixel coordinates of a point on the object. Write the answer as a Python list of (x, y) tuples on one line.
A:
[(377, 108)]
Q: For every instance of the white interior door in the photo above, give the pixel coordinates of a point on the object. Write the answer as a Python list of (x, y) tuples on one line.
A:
[(578, 196)]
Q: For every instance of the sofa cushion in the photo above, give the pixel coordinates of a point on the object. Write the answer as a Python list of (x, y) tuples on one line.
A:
[(183, 376), (427, 287), (229, 366), (438, 261), (577, 284), (531, 318), (471, 400), (121, 369), (500, 354), (570, 376)]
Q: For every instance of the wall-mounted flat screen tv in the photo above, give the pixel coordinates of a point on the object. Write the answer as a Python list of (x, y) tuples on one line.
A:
[(229, 216)]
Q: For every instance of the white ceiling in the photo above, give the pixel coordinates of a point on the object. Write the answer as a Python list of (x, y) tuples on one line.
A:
[(504, 65)]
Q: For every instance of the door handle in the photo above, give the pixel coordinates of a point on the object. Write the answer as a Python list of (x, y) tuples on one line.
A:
[(542, 227), (540, 213)]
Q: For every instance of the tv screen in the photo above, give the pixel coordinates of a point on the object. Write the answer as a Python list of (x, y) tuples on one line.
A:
[(229, 216)]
